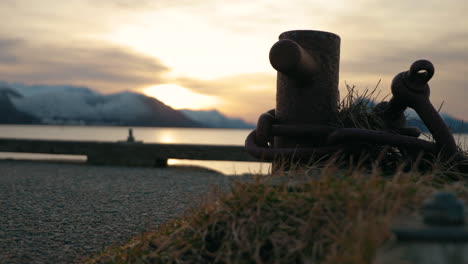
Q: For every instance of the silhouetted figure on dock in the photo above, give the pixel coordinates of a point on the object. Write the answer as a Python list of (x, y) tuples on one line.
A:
[(130, 137)]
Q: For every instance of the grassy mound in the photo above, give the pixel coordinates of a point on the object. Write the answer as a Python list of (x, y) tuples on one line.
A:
[(327, 216)]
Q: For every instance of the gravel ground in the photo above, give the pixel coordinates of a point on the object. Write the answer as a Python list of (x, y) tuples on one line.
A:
[(60, 212)]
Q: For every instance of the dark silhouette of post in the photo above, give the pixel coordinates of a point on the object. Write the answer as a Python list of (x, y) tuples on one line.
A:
[(130, 138), (307, 62)]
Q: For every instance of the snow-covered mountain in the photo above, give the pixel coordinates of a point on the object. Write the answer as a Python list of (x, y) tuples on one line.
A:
[(54, 104), (213, 118), (8, 112), (81, 105)]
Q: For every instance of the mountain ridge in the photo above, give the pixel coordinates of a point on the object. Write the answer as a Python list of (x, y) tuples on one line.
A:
[(214, 119), (9, 113), (76, 105)]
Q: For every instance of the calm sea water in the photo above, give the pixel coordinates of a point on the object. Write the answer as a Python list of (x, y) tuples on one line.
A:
[(208, 136), (234, 137)]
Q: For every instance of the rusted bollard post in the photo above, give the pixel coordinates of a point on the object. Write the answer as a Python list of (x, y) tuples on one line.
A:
[(303, 127), (307, 62)]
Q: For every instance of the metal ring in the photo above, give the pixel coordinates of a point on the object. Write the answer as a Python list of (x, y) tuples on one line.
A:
[(419, 77)]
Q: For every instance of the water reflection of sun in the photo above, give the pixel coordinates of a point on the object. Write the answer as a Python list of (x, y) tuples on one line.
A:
[(179, 97), (166, 137)]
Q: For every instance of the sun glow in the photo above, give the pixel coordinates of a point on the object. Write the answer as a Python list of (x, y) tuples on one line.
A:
[(179, 97), (191, 46)]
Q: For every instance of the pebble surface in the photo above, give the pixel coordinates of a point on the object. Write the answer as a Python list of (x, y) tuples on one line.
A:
[(56, 212)]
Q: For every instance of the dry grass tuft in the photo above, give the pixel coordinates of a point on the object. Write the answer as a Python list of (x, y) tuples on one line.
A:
[(318, 215), (355, 109)]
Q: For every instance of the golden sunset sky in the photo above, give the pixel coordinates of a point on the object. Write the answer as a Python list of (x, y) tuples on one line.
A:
[(205, 54)]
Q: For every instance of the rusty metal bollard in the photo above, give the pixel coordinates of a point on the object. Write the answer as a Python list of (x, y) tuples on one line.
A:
[(440, 237), (307, 82), (303, 127)]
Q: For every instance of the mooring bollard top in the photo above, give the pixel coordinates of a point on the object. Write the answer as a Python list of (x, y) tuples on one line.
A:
[(443, 220), (443, 208)]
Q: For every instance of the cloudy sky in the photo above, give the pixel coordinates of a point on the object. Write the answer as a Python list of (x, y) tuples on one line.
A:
[(207, 54)]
